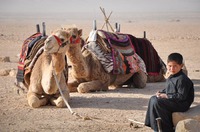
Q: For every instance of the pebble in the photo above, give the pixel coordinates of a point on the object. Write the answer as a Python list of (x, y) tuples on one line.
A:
[(4, 59), (4, 72), (13, 73)]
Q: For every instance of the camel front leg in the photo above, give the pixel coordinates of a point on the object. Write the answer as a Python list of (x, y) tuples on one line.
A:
[(35, 100), (58, 100), (140, 79), (92, 86), (73, 86)]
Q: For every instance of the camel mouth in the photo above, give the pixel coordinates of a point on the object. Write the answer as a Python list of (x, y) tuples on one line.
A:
[(47, 48), (74, 36)]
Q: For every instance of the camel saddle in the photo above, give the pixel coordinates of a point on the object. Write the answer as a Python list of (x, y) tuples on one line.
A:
[(30, 47), (114, 51)]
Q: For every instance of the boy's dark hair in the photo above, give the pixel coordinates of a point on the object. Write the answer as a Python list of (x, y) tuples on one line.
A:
[(178, 58)]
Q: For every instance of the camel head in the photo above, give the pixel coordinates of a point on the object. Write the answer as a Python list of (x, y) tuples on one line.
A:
[(57, 42), (75, 35)]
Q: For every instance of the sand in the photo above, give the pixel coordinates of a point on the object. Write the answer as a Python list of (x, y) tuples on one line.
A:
[(109, 110)]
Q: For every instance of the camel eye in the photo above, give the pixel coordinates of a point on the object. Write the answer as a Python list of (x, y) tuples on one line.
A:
[(62, 40)]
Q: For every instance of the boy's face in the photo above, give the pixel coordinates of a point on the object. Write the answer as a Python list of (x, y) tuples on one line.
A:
[(173, 67)]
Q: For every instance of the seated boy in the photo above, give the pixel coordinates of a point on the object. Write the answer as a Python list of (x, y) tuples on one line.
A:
[(177, 96)]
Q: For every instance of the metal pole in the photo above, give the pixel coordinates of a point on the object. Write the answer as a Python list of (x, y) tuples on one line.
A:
[(38, 28), (144, 34), (44, 29), (118, 28), (94, 25)]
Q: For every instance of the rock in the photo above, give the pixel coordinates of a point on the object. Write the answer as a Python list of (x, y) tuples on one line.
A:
[(4, 72), (13, 72), (4, 59), (192, 113), (188, 125)]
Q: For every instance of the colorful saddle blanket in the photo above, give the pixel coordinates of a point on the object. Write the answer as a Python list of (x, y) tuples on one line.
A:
[(29, 49), (146, 51), (115, 52)]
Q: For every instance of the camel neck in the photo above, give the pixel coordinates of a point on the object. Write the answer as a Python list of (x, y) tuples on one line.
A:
[(58, 60), (77, 60), (74, 54)]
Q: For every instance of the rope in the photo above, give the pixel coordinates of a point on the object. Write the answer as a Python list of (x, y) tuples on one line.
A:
[(65, 100), (76, 114)]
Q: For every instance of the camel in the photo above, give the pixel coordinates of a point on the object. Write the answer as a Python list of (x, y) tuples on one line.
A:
[(88, 72), (42, 88)]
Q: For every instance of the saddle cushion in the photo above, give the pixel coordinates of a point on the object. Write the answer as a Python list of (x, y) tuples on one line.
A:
[(115, 52), (29, 48), (149, 55)]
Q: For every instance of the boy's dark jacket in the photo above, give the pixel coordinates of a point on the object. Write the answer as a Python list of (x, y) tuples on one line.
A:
[(179, 88)]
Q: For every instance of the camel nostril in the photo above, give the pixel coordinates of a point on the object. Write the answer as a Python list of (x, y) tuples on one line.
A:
[(73, 36), (62, 40)]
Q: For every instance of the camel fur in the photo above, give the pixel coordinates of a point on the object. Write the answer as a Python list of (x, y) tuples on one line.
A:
[(89, 74), (42, 88)]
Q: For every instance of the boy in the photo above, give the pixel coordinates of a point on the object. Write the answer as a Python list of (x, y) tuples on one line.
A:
[(177, 96)]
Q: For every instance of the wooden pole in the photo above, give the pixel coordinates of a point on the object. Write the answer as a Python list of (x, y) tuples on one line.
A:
[(107, 23)]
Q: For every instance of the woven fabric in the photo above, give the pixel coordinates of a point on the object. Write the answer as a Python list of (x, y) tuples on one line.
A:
[(115, 52), (27, 46), (149, 55)]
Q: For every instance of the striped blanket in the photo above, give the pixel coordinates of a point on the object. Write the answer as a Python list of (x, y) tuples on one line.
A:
[(115, 52), (29, 49), (146, 51)]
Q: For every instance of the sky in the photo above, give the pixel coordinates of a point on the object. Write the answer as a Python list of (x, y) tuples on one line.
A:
[(47, 6)]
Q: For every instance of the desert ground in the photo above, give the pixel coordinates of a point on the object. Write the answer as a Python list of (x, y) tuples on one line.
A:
[(108, 111)]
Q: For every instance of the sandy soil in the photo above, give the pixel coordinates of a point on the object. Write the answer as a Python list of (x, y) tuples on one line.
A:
[(109, 110)]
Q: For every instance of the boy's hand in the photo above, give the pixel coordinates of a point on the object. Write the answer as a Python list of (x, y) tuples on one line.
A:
[(158, 94), (161, 95)]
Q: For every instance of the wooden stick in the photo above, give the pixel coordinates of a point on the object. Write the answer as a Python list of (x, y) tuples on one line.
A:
[(137, 122), (159, 124), (107, 23)]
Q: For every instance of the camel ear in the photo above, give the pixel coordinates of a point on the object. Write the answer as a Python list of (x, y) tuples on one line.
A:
[(68, 35), (63, 28), (80, 32)]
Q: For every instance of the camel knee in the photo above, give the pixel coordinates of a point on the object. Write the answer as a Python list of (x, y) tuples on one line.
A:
[(92, 86), (85, 88), (58, 102), (140, 79), (82, 89), (34, 101), (73, 86)]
